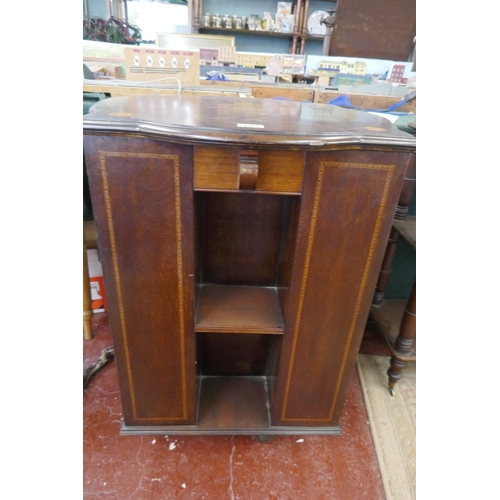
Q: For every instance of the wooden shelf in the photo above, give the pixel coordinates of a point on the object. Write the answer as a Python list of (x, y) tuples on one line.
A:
[(310, 36), (408, 230), (388, 316), (238, 309), (233, 403), (233, 31)]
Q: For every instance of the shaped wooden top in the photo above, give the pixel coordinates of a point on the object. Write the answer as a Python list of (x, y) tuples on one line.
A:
[(242, 121)]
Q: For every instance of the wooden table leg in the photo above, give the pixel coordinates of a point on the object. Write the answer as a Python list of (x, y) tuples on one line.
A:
[(385, 271), (401, 351), (404, 201), (407, 190)]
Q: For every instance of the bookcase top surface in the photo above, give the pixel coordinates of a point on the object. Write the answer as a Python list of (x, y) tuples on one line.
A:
[(242, 121)]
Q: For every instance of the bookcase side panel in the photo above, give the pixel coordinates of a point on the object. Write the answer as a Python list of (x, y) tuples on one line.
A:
[(346, 212), (142, 197)]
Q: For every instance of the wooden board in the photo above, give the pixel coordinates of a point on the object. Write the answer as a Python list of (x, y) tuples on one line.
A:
[(369, 101), (218, 169), (238, 309), (125, 88), (215, 168), (300, 93), (239, 237), (148, 272), (379, 29), (334, 245), (233, 403), (233, 354)]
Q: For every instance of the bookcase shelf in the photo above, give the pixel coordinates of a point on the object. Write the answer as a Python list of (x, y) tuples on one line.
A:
[(238, 309), (233, 403)]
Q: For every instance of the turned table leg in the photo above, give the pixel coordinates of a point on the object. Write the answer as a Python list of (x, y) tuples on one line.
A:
[(404, 341), (407, 190), (385, 271), (404, 201)]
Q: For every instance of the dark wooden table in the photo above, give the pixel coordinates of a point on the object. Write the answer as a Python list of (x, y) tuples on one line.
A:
[(241, 241), (396, 319)]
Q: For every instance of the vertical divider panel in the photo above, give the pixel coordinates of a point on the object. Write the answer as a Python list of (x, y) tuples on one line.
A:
[(143, 205), (346, 212)]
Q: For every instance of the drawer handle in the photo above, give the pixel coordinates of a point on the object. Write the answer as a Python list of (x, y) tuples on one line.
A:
[(248, 170)]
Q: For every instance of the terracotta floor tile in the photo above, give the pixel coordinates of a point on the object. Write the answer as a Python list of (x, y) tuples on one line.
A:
[(218, 467)]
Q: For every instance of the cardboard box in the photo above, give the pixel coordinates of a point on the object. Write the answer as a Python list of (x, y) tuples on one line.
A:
[(97, 292), (150, 64), (323, 80), (104, 56), (268, 79)]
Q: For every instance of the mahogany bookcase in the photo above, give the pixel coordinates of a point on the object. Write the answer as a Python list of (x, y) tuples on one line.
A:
[(241, 241)]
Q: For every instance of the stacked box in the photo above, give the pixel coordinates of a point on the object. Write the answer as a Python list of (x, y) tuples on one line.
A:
[(154, 64), (97, 292)]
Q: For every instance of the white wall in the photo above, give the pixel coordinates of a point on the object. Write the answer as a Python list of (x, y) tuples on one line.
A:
[(97, 8)]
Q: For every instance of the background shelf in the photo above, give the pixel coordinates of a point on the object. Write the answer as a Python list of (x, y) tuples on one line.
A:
[(233, 31), (408, 230), (387, 317)]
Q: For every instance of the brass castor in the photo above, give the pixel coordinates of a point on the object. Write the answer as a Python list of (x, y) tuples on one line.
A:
[(392, 391)]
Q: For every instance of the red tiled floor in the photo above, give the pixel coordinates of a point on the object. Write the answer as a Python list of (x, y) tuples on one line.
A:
[(217, 467)]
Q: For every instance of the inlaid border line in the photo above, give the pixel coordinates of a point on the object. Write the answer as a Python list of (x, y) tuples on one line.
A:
[(310, 239), (323, 164), (107, 199)]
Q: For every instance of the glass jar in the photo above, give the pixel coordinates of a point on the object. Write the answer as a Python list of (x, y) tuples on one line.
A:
[(253, 22), (226, 21), (206, 20), (216, 21)]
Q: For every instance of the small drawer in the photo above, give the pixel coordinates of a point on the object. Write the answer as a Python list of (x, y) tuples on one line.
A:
[(274, 171)]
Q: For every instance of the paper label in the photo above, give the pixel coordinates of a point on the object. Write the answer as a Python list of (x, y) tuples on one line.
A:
[(250, 125)]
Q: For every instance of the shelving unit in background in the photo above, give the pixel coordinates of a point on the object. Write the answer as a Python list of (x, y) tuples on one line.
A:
[(248, 40), (313, 42)]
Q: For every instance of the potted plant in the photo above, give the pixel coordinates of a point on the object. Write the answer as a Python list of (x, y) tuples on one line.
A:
[(113, 30)]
